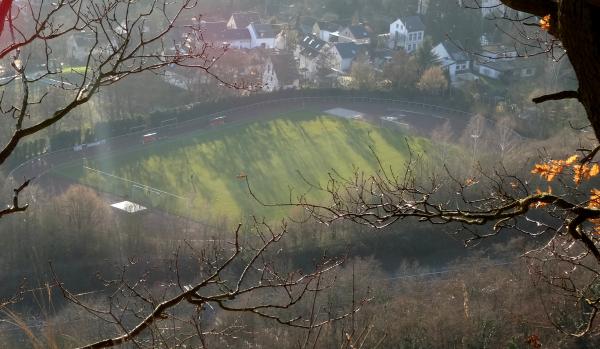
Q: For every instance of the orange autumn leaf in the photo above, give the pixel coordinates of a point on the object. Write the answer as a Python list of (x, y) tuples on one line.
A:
[(471, 181), (571, 159), (596, 226), (581, 172), (538, 204), (545, 22), (549, 170), (594, 199)]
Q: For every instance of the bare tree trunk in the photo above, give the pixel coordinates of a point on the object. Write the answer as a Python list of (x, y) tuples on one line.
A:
[(575, 24), (580, 33)]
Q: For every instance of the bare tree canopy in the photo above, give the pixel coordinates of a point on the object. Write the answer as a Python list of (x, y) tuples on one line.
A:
[(118, 39), (575, 24)]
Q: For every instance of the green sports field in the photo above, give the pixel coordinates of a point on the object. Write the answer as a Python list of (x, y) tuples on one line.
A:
[(199, 174)]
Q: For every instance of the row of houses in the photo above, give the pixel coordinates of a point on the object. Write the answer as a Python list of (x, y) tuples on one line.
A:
[(493, 61), (405, 33), (241, 31), (328, 48)]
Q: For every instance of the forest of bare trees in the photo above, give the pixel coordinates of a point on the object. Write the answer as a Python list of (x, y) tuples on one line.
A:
[(317, 285)]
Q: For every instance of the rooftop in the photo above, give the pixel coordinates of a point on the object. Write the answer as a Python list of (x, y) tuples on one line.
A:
[(263, 31), (235, 34), (243, 19), (347, 49), (128, 206), (359, 31), (413, 24), (455, 52), (328, 26)]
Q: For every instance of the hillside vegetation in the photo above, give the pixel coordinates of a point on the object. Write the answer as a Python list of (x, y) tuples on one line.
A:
[(207, 169)]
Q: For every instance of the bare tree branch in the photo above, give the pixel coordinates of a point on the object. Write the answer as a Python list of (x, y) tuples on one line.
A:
[(556, 96)]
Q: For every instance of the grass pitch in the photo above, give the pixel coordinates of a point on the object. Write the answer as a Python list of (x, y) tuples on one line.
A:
[(204, 170)]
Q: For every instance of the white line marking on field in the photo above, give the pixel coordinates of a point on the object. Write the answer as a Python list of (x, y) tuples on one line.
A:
[(137, 184)]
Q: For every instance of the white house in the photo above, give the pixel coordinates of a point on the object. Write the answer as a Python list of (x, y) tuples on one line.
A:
[(307, 53), (498, 51), (239, 20), (506, 69), (342, 55), (407, 33), (357, 34), (452, 59), (236, 38), (262, 35), (324, 29), (280, 73)]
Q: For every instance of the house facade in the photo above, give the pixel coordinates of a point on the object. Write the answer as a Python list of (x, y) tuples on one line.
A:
[(324, 29), (262, 35), (342, 55), (357, 34), (452, 59), (407, 33), (237, 38), (280, 73), (506, 69), (307, 54)]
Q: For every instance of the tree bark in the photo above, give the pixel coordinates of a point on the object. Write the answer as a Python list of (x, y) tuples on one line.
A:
[(579, 30)]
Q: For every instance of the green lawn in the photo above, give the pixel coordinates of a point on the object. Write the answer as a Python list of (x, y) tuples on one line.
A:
[(203, 167)]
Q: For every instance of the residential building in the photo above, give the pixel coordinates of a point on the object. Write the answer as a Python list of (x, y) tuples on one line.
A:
[(237, 38), (280, 73), (324, 29), (500, 69), (453, 59), (407, 33), (342, 55), (358, 34), (239, 20), (211, 31), (307, 53), (498, 51), (262, 35)]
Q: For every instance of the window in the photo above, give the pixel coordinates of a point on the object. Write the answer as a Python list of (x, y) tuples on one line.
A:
[(397, 25), (419, 35)]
